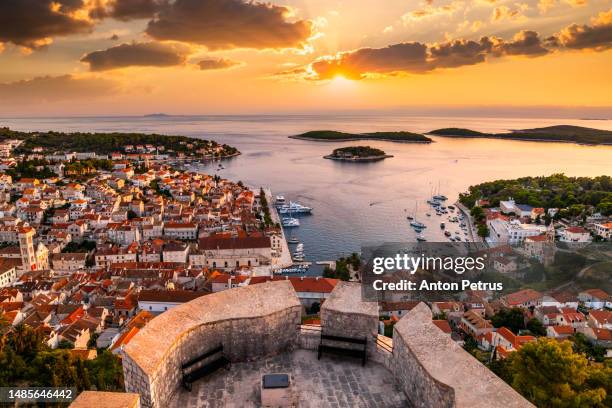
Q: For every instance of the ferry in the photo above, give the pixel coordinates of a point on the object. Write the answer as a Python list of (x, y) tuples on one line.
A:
[(293, 207), (290, 222)]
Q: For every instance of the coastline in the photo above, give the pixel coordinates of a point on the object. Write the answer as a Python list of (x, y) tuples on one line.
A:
[(520, 139), (352, 139), (359, 159)]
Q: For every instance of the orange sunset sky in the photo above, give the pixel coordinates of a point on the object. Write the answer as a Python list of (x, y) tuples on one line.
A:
[(80, 57)]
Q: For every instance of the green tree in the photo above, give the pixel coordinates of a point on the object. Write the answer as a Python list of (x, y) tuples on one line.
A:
[(550, 374), (513, 319), (536, 327)]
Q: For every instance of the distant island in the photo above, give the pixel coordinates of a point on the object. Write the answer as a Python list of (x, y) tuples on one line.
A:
[(559, 133), (358, 154), (106, 143), (335, 136)]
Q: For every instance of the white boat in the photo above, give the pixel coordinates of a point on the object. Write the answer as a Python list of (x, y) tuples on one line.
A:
[(280, 200), (293, 207), (299, 248), (290, 222), (293, 240)]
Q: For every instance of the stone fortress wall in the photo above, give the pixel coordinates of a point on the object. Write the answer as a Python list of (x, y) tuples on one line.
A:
[(260, 320), (250, 322)]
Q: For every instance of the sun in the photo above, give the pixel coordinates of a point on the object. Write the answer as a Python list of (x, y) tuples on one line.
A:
[(341, 81)]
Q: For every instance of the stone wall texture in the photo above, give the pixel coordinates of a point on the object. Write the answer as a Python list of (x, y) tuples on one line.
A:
[(250, 322), (435, 372), (345, 314)]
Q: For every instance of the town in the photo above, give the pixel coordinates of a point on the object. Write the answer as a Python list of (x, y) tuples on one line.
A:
[(95, 246)]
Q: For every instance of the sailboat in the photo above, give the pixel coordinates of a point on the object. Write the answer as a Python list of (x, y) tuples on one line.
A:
[(414, 223)]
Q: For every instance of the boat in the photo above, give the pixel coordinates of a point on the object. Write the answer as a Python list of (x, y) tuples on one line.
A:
[(299, 248), (418, 225), (280, 200), (290, 222), (293, 207), (442, 225), (414, 223), (293, 240)]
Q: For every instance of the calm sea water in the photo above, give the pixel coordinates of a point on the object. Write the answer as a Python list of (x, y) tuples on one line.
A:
[(362, 203)]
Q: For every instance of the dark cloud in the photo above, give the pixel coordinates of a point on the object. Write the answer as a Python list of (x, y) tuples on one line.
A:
[(126, 10), (459, 52), (32, 23), (597, 36), (419, 57), (526, 43), (137, 54), (55, 88), (219, 63), (410, 57), (223, 24)]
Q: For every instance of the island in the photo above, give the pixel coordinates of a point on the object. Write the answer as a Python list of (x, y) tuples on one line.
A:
[(117, 142), (559, 133), (335, 136), (358, 154)]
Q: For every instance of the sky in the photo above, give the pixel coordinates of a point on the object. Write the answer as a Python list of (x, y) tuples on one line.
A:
[(131, 57)]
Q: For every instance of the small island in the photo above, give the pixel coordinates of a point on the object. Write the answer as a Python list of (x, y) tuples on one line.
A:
[(358, 154), (335, 136), (559, 133)]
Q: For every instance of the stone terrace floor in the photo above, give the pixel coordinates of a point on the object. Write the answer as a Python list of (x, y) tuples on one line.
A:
[(329, 382)]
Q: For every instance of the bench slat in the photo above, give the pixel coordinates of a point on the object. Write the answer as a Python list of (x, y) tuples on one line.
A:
[(204, 356)]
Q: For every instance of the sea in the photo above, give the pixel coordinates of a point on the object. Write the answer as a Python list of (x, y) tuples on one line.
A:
[(357, 204)]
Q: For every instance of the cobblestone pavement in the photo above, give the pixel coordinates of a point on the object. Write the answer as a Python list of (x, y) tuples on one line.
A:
[(329, 382)]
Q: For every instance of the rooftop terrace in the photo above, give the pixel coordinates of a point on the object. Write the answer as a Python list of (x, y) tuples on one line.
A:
[(330, 382)]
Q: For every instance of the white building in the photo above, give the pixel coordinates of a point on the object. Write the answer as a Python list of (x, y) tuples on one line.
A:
[(513, 232), (157, 301), (604, 230)]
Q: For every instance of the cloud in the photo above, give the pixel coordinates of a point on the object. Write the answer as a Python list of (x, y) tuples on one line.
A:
[(431, 11), (137, 54), (33, 23), (219, 63), (224, 24), (126, 10), (505, 13), (597, 36), (526, 42), (54, 89), (398, 57), (418, 57)]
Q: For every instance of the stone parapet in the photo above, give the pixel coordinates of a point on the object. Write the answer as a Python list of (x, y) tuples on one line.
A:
[(435, 372), (100, 399), (250, 322)]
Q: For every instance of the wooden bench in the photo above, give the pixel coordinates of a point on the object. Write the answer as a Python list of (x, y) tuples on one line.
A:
[(205, 364), (345, 350)]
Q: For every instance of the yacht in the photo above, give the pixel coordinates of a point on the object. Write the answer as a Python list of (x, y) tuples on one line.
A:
[(293, 207), (290, 222)]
